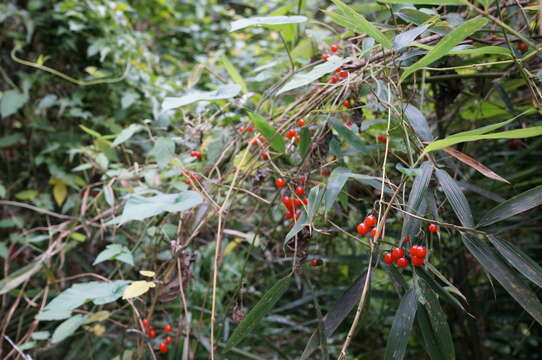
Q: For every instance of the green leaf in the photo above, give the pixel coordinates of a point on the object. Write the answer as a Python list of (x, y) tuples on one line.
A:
[(11, 102), (266, 20), (337, 313), (163, 151), (304, 143), (455, 197), (511, 207), (234, 74), (347, 134), (518, 259), (402, 325), (444, 46), (253, 318), (115, 252), (438, 321), (423, 2), (68, 327), (227, 91), (405, 38), (415, 198), (422, 273), (139, 207), (361, 25), (269, 133), (306, 78), (126, 134), (40, 335), (513, 284), (19, 276), (316, 195), (335, 183), (418, 122)]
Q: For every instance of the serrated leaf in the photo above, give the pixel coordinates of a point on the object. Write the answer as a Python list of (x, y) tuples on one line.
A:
[(401, 327), (518, 259), (455, 197), (256, 314), (266, 20), (347, 134), (147, 273), (68, 327), (234, 74), (362, 25), (335, 183), (511, 207), (137, 288), (269, 133), (227, 91), (513, 284), (444, 46), (415, 199), (306, 78)]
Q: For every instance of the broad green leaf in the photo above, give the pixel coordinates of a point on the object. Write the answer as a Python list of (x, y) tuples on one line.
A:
[(512, 283), (402, 325), (11, 101), (518, 259), (335, 183), (423, 2), (415, 198), (511, 134), (347, 134), (234, 74), (126, 134), (163, 151), (339, 311), (227, 91), (455, 197), (137, 288), (139, 207), (361, 25), (306, 78), (115, 252), (41, 335), (256, 314), (438, 321), (418, 122), (266, 20), (68, 327), (446, 44), (511, 207), (269, 133), (98, 292)]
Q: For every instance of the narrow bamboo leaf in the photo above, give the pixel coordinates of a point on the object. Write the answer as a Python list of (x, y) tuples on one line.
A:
[(438, 321), (304, 143), (518, 259), (347, 134), (512, 134), (419, 187), (446, 44), (439, 289), (511, 207), (266, 20), (335, 183), (428, 334), (222, 92), (402, 325), (234, 74), (253, 318), (456, 197), (269, 133), (466, 159), (405, 38), (339, 311), (418, 122), (363, 26), (512, 283), (315, 199), (423, 2)]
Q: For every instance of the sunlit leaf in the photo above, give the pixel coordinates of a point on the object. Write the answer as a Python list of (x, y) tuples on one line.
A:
[(222, 92), (137, 288), (266, 20), (270, 134)]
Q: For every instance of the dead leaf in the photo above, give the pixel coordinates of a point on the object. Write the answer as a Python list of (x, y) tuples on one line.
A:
[(466, 159)]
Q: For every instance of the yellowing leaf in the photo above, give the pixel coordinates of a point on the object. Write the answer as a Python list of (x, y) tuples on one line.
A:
[(98, 316), (137, 288), (97, 329), (147, 273), (232, 245), (60, 191)]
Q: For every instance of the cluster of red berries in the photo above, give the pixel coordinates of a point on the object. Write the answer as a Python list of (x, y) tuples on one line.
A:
[(260, 140), (365, 226), (292, 203), (196, 154), (249, 128), (340, 74), (417, 256), (191, 177), (292, 133), (151, 332), (333, 48)]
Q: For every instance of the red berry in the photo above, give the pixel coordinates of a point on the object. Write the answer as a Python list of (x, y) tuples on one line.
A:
[(348, 124), (291, 133), (306, 201), (370, 220), (145, 323), (421, 251), (297, 202), (289, 215), (522, 47), (432, 228), (250, 128), (346, 103), (514, 143), (265, 156), (163, 348), (397, 253), (334, 48), (373, 232), (388, 258), (187, 182), (325, 172), (152, 333), (297, 138), (338, 70), (362, 229), (406, 239), (382, 138), (280, 182), (300, 122), (417, 261), (168, 328), (325, 57), (413, 250), (241, 129), (168, 340), (288, 202), (299, 190), (334, 79), (402, 262), (316, 262), (343, 74)]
